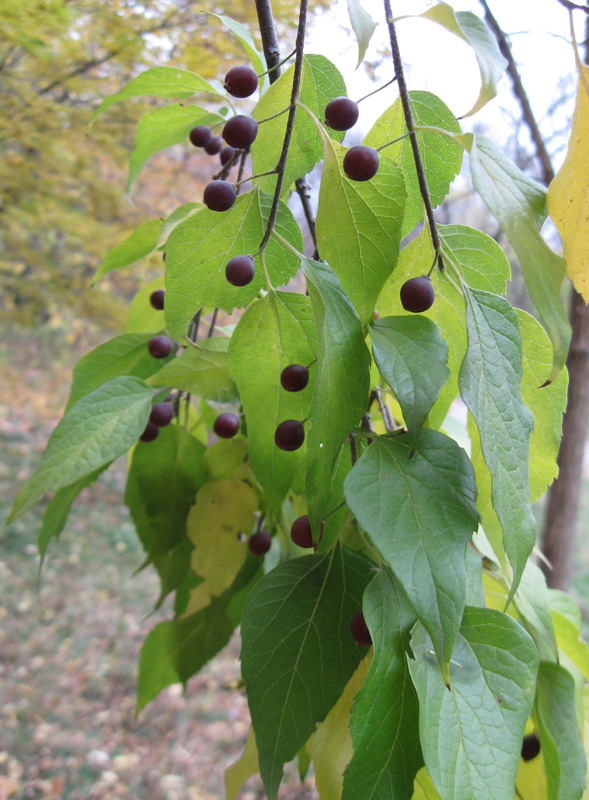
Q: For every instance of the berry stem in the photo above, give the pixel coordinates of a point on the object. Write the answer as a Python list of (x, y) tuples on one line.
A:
[(393, 141), (409, 122), (386, 415), (287, 245), (380, 88), (242, 161), (259, 175), (274, 116), (296, 86), (277, 66)]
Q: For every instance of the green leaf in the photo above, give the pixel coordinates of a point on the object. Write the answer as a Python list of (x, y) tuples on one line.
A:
[(547, 404), (163, 479), (519, 203), (99, 428), (531, 600), (225, 459), (554, 708), (272, 334), (320, 83), (420, 514), (471, 735), (139, 244), (359, 226), (424, 788), (342, 382), (142, 317), (570, 642), (58, 510), (297, 652), (201, 372), (163, 128), (411, 355), (239, 771), (474, 32), (160, 82), (482, 264), (176, 650), (363, 26), (123, 355), (385, 716), (200, 247), (490, 385), (441, 156), (176, 217), (246, 40), (223, 510)]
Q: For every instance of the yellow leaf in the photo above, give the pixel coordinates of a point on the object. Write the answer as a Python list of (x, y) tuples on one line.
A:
[(423, 788), (246, 765), (222, 510), (330, 747), (568, 194)]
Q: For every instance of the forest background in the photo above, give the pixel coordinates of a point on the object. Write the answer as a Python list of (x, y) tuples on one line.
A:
[(70, 643)]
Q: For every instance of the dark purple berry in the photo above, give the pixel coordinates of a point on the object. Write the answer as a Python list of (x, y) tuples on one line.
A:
[(160, 346), (530, 747), (162, 414), (226, 155), (240, 270), (241, 81), (226, 425), (289, 435), (300, 532), (417, 294), (294, 378), (214, 146), (150, 433), (201, 136), (219, 195), (157, 299), (260, 543), (341, 114), (360, 631), (361, 163), (240, 131)]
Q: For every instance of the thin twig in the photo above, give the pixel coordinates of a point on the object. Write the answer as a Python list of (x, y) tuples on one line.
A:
[(304, 192), (573, 6), (384, 410), (520, 93), (213, 322), (294, 96), (380, 88), (353, 451), (408, 113)]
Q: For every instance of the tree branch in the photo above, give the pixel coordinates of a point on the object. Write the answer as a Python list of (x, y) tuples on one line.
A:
[(520, 93), (574, 6), (408, 114)]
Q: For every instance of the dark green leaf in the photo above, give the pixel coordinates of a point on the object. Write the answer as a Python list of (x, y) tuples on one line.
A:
[(564, 756), (420, 513), (385, 715), (297, 650), (342, 382), (411, 355), (471, 735)]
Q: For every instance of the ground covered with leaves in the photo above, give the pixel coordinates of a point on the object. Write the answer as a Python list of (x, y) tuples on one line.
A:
[(70, 641)]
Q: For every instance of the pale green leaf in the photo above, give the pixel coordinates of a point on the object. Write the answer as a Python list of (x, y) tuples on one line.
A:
[(359, 226), (570, 642), (99, 428), (531, 601), (471, 735), (320, 83), (363, 26), (246, 40), (139, 244), (519, 203), (424, 788), (385, 716), (225, 459), (420, 513), (297, 651), (239, 771), (176, 217), (159, 82), (201, 372), (441, 156), (411, 355), (163, 128), (342, 382), (490, 385), (272, 334), (474, 32), (200, 247), (142, 317)]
